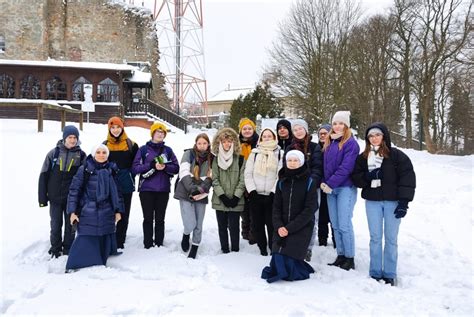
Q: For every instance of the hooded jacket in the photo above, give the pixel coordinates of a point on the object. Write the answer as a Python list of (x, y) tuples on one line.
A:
[(398, 181)]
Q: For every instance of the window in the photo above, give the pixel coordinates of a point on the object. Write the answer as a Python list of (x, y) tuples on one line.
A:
[(78, 88), (2, 44), (30, 87), (107, 91), (7, 86), (56, 89)]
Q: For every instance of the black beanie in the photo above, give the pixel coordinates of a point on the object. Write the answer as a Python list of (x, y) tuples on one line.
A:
[(70, 130)]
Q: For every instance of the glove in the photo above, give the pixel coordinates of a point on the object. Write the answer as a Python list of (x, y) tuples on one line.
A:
[(196, 192), (225, 200), (326, 189), (401, 209), (269, 199), (253, 194), (234, 201), (375, 174)]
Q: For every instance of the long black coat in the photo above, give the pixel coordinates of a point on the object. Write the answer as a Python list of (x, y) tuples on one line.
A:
[(314, 159), (398, 181), (294, 205)]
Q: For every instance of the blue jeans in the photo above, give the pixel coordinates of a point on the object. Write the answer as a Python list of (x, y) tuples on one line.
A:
[(382, 222), (341, 207)]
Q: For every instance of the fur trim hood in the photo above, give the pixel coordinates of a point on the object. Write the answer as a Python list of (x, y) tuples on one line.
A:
[(226, 132)]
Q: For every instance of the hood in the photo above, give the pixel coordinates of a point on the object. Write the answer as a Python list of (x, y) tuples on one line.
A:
[(384, 129), (226, 132)]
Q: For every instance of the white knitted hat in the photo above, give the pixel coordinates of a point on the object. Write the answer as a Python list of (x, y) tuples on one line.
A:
[(296, 153), (342, 116), (100, 146)]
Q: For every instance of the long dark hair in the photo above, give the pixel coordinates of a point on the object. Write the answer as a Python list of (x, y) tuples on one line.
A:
[(383, 150)]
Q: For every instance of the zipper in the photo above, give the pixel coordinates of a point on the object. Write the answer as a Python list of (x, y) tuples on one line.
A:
[(289, 204)]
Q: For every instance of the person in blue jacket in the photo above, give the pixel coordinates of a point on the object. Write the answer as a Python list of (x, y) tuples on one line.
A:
[(95, 205)]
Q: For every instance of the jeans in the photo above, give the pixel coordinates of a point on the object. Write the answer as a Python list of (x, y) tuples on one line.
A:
[(382, 223), (192, 214), (341, 207)]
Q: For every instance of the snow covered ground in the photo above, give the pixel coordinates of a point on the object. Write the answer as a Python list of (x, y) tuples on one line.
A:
[(435, 251)]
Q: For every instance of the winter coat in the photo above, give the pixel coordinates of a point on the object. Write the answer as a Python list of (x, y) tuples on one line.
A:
[(264, 185), (314, 159), (96, 218), (294, 204), (159, 181), (398, 181), (187, 183), (284, 143), (229, 182), (56, 176), (121, 155), (339, 164)]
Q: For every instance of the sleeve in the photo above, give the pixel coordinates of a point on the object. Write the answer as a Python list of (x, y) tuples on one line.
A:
[(119, 205), (134, 154), (75, 191), (139, 167), (276, 213), (240, 188), (185, 175), (172, 168), (317, 165), (280, 166), (344, 170), (43, 180), (248, 173), (406, 177), (358, 175), (216, 184), (310, 206)]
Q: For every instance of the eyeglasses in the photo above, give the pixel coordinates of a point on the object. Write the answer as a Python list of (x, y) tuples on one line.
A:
[(323, 133), (375, 135)]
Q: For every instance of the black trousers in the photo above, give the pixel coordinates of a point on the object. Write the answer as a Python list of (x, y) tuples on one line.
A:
[(228, 222), (247, 233), (261, 212), (154, 209), (58, 214), (122, 225), (323, 222)]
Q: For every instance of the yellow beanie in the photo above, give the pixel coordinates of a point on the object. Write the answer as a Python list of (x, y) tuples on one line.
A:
[(157, 125), (245, 121)]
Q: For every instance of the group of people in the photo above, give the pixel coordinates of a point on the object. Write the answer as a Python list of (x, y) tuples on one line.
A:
[(278, 189)]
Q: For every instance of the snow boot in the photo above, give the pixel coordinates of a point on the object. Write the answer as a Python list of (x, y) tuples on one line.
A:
[(339, 260), (193, 252), (185, 242), (308, 256), (390, 281), (323, 242), (347, 264)]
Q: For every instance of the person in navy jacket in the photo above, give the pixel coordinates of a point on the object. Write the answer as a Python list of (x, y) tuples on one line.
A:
[(95, 205)]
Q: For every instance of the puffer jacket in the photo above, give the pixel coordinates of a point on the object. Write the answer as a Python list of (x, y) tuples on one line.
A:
[(96, 218), (263, 184), (339, 163)]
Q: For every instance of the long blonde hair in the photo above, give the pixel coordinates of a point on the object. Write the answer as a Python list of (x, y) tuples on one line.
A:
[(347, 134)]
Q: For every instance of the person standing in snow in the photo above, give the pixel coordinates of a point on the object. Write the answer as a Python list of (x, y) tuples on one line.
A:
[(122, 152), (59, 167), (313, 158), (229, 187), (94, 203), (295, 201), (248, 140), (285, 136), (261, 176), (192, 190), (157, 164), (388, 183), (340, 153)]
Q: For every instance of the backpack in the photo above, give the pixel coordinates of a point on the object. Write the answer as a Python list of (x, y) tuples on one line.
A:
[(310, 182), (56, 156)]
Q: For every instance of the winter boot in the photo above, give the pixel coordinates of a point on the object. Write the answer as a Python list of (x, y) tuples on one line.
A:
[(390, 281), (308, 256), (193, 252), (339, 260), (263, 251), (185, 242), (347, 264), (323, 242)]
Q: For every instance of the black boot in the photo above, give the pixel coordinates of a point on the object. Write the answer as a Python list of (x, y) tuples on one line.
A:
[(193, 252), (308, 256), (347, 264), (339, 260), (390, 281), (323, 242), (185, 242)]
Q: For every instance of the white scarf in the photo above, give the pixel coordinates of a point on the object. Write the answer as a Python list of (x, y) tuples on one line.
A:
[(225, 158), (374, 160), (265, 160)]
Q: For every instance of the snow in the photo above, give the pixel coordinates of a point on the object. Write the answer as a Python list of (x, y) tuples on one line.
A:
[(55, 63), (435, 251), (230, 94)]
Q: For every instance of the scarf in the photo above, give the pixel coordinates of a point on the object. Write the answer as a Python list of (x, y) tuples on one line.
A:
[(106, 187), (335, 136), (248, 144), (374, 160), (117, 143), (265, 160), (225, 158)]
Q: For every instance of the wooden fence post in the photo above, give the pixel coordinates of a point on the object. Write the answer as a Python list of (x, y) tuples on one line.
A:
[(40, 117), (63, 119)]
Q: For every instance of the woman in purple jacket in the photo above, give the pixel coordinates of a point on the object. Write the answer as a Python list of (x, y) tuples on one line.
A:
[(156, 164), (340, 153)]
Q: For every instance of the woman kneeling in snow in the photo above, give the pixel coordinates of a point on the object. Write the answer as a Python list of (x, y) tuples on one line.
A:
[(94, 193), (293, 218)]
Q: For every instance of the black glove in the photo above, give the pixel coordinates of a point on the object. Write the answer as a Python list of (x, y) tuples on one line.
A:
[(196, 192), (269, 199), (225, 200), (234, 201), (375, 174), (253, 194), (401, 209)]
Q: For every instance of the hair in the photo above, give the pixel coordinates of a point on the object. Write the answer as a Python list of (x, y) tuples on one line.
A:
[(197, 169), (347, 134), (266, 129), (306, 141), (383, 150)]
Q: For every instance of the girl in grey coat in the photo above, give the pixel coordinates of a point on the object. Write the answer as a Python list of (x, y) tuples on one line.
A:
[(192, 190)]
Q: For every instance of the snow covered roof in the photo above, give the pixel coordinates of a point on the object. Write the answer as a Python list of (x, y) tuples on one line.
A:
[(139, 77), (55, 63), (230, 94)]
